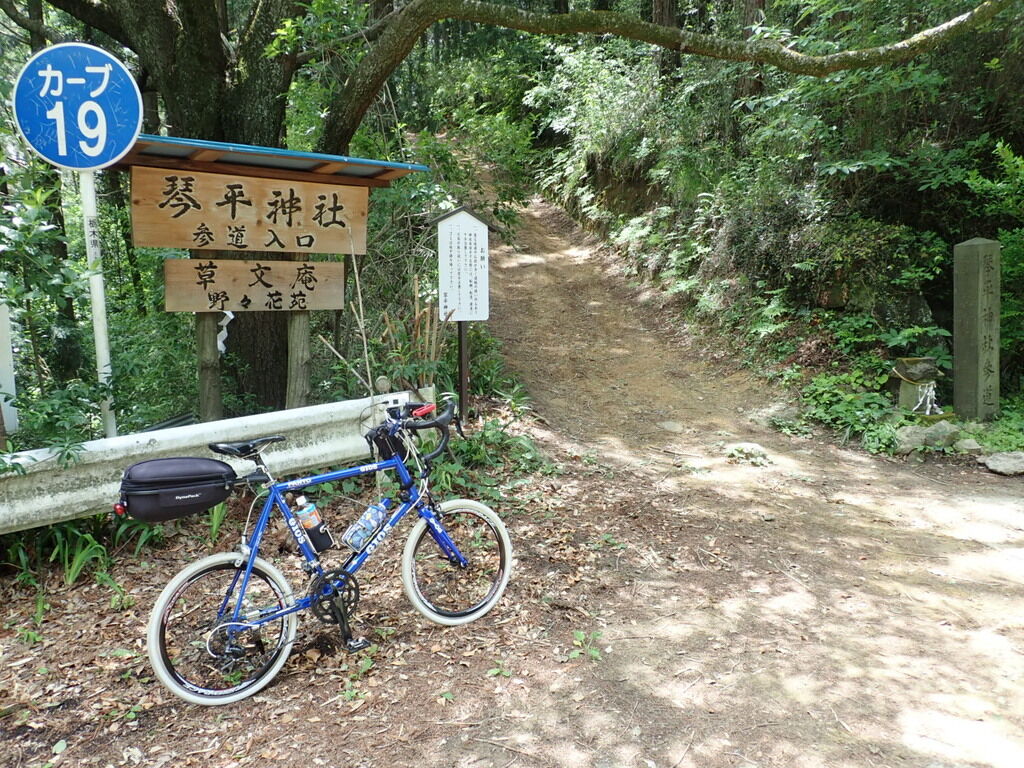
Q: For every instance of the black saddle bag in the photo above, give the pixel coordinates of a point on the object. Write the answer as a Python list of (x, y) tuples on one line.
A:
[(166, 489)]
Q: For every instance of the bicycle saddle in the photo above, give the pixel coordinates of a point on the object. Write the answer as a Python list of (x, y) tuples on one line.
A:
[(245, 449)]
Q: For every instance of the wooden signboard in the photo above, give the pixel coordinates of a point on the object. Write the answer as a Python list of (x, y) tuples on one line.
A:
[(213, 211), (202, 285)]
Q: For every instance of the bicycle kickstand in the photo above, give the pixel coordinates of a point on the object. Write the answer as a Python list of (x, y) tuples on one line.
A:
[(340, 614)]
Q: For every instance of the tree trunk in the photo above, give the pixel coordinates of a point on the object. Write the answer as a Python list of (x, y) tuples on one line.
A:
[(211, 406), (69, 355), (299, 360), (380, 8), (665, 13), (753, 14), (150, 104), (33, 339), (36, 40), (260, 342)]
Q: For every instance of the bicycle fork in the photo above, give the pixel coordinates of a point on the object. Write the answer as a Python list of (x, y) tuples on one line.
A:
[(442, 539)]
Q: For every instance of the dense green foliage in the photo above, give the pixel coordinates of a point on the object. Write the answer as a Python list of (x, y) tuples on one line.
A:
[(810, 220)]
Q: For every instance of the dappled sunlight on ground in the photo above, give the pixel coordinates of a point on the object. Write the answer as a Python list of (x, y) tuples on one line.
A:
[(984, 519), (814, 606), (988, 565), (993, 743), (521, 260), (676, 602)]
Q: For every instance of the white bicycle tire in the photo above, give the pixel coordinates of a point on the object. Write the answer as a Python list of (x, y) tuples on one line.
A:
[(408, 563), (153, 640)]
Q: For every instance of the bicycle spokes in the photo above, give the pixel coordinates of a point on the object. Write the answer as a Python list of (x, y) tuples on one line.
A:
[(457, 569), (204, 647)]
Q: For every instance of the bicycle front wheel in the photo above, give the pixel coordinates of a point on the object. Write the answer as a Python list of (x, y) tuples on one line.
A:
[(196, 647), (440, 588)]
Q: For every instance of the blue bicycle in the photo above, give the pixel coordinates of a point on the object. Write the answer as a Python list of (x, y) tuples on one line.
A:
[(224, 626)]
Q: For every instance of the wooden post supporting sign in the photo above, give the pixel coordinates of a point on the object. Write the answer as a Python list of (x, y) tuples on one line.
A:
[(463, 367)]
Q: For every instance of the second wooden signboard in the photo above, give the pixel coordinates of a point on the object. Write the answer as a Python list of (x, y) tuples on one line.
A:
[(205, 285)]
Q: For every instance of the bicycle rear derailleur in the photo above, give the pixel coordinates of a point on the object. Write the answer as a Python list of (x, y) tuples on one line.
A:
[(334, 597)]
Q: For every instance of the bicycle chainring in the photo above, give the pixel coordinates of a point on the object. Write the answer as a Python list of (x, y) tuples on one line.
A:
[(333, 584)]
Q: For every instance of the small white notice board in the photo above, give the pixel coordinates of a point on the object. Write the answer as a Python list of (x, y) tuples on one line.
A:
[(463, 289)]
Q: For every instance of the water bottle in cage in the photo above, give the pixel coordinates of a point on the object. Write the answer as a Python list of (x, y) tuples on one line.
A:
[(363, 529), (314, 526)]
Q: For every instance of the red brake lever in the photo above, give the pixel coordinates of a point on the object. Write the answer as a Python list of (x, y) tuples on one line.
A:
[(423, 410)]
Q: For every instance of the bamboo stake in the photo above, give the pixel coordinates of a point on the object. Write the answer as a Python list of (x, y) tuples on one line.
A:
[(346, 362)]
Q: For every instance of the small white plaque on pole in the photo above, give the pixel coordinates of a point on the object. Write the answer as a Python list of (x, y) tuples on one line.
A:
[(462, 253), (10, 414)]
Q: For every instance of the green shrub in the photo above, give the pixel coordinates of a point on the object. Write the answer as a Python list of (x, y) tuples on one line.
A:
[(1007, 432), (835, 400)]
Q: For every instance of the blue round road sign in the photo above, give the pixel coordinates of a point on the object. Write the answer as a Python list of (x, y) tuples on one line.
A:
[(77, 106)]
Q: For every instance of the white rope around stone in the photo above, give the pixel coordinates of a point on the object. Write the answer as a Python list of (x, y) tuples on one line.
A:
[(222, 336), (926, 398)]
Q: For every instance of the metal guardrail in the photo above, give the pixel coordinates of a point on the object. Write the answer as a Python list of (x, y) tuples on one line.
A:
[(317, 436)]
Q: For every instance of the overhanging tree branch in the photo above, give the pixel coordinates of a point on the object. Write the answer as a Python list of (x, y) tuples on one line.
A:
[(33, 26), (96, 16), (395, 43), (757, 51), (368, 35)]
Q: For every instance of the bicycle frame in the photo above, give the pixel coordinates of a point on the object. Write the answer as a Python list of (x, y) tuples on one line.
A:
[(412, 498)]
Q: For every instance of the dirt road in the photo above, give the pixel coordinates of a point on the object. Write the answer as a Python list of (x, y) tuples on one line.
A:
[(813, 606), (680, 597)]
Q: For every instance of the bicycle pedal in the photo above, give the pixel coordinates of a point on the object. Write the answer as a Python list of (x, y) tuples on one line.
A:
[(353, 644)]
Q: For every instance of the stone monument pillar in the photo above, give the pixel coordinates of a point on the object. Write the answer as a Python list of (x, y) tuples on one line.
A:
[(976, 329)]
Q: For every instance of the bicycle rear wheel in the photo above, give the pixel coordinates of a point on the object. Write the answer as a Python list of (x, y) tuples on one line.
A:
[(441, 589), (203, 655)]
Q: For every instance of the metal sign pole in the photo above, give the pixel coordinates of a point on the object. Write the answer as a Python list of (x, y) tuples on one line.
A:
[(97, 294), (80, 108), (8, 413)]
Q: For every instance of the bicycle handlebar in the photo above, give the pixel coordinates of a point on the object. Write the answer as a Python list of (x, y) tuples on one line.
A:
[(441, 423)]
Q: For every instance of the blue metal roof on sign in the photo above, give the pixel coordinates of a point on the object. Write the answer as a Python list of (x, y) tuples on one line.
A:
[(245, 159)]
